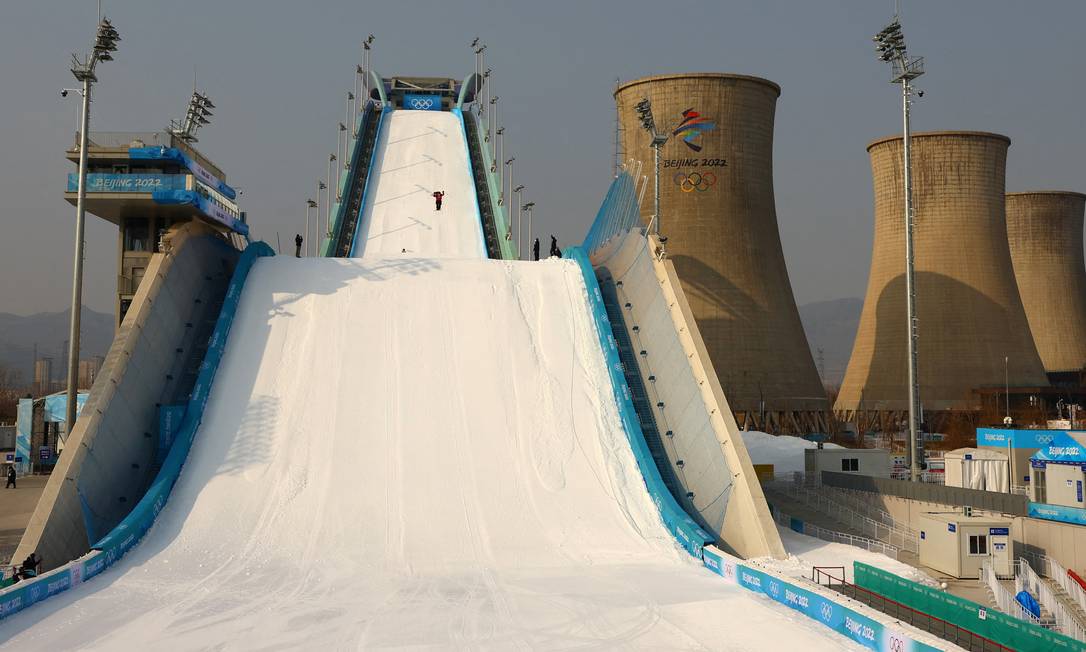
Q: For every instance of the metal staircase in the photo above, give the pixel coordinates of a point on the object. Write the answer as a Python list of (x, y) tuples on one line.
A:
[(343, 231), (482, 191)]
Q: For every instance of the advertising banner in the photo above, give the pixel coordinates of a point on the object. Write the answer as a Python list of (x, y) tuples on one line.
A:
[(1060, 513), (175, 154), (101, 182), (422, 102)]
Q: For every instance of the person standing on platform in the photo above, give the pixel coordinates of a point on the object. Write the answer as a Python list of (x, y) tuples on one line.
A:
[(535, 249), (438, 196), (298, 245), (555, 251)]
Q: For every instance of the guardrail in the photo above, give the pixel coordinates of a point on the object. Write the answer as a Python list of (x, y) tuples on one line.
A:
[(899, 538), (944, 629), (1026, 577), (111, 548), (861, 503), (1059, 574), (812, 530), (1003, 598)]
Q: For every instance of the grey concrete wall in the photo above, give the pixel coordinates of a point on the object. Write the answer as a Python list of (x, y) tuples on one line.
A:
[(108, 460), (715, 465)]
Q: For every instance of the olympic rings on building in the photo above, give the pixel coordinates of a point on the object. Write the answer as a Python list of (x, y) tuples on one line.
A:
[(699, 181), (421, 103)]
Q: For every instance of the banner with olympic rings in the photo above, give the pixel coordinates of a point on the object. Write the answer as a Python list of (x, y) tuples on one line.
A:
[(694, 181), (422, 102)]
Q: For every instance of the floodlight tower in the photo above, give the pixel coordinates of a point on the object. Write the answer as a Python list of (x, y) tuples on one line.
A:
[(644, 112), (196, 116), (890, 44), (105, 44)]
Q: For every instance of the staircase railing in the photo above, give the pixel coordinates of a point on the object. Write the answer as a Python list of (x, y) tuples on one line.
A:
[(1002, 596), (1025, 577), (1057, 573)]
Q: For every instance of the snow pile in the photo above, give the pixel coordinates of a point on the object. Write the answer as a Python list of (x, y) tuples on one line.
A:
[(411, 453), (784, 452), (420, 152)]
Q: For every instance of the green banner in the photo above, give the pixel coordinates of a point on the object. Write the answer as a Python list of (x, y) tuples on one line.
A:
[(977, 618)]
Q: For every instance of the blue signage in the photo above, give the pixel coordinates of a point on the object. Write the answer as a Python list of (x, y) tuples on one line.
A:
[(100, 182), (174, 154), (999, 531), (1004, 438), (951, 527), (422, 102), (1060, 513), (56, 407)]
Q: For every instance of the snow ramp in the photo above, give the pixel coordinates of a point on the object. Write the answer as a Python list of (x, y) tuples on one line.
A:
[(413, 453), (420, 153)]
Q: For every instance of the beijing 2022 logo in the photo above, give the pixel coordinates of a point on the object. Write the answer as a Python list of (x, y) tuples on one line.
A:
[(691, 128)]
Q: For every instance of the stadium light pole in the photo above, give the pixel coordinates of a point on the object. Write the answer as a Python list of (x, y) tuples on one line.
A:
[(494, 166), (528, 242), (367, 46), (509, 164), (333, 191), (317, 222), (346, 139), (309, 204), (105, 44), (644, 112), (489, 125), (520, 227), (890, 44)]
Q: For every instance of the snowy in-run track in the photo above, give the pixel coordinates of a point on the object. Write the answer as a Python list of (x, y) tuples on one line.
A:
[(411, 453)]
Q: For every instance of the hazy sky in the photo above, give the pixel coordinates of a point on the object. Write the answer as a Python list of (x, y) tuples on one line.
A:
[(279, 71)]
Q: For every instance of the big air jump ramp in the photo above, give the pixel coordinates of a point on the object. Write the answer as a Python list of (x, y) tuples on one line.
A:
[(416, 448)]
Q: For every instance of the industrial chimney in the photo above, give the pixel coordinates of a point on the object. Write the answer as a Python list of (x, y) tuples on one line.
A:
[(972, 327), (1044, 230), (718, 213)]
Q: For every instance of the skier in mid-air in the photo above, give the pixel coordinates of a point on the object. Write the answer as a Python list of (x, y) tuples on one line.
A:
[(438, 196)]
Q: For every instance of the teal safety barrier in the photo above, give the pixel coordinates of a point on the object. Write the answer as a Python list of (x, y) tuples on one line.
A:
[(676, 520), (129, 531), (502, 219)]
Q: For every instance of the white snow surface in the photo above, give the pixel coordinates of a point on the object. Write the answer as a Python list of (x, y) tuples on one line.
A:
[(420, 152), (805, 552), (411, 453), (784, 452)]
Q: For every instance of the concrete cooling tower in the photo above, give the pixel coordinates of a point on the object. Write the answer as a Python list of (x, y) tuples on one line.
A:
[(718, 213), (1044, 230), (969, 313)]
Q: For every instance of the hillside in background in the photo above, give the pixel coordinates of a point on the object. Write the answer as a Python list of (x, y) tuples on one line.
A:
[(49, 330), (831, 326)]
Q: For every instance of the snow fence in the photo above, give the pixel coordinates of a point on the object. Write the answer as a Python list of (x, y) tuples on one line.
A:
[(129, 531)]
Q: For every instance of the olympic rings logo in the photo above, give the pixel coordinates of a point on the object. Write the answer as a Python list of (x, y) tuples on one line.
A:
[(421, 103), (689, 182)]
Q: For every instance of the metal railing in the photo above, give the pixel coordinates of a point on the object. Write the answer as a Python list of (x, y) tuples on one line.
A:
[(898, 537), (934, 625), (832, 536), (1026, 578), (861, 502), (1002, 597), (1059, 574)]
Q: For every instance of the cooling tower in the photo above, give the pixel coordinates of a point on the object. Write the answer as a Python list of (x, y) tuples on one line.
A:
[(1044, 230), (969, 313), (718, 213)]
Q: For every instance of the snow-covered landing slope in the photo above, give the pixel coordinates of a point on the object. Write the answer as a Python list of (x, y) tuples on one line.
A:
[(420, 152), (411, 453)]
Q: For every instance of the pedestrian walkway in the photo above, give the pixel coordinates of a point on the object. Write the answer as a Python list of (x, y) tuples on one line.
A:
[(16, 507)]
